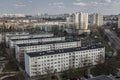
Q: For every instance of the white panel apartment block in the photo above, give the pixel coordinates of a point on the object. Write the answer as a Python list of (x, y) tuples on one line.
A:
[(14, 42), (64, 59), (26, 36), (21, 49)]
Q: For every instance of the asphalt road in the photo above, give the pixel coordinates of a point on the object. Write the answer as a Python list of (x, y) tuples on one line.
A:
[(113, 38)]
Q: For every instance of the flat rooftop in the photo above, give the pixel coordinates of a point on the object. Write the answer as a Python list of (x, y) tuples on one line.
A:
[(15, 35), (34, 38), (36, 54), (44, 43)]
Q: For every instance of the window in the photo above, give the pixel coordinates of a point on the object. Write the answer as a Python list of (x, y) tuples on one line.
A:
[(51, 56)]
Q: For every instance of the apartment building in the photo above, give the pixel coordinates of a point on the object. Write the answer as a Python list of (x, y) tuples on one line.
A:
[(39, 63), (119, 22), (110, 19), (21, 49), (81, 20), (14, 42), (96, 19), (25, 36), (13, 35)]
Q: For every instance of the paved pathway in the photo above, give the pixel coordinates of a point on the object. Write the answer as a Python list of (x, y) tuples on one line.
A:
[(7, 76), (113, 38), (2, 58), (8, 72), (58, 76)]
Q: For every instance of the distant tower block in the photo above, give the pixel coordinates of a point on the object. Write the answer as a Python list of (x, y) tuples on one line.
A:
[(81, 20)]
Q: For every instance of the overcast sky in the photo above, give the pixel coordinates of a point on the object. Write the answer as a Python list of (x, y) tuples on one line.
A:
[(59, 6)]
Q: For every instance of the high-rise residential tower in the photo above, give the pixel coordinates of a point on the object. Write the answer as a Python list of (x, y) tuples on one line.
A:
[(81, 20), (96, 19), (119, 22)]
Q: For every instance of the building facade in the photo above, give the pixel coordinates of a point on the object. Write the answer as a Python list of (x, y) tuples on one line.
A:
[(21, 49), (14, 42), (96, 19), (110, 19), (81, 20), (119, 22), (8, 37), (39, 63)]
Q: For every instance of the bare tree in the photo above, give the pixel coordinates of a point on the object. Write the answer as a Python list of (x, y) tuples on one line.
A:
[(49, 71), (100, 59), (87, 62)]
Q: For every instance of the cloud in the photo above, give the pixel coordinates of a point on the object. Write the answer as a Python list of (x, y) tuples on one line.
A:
[(61, 6), (105, 1), (57, 4), (79, 4), (78, 0), (94, 3), (100, 3), (108, 1), (30, 1), (20, 5)]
